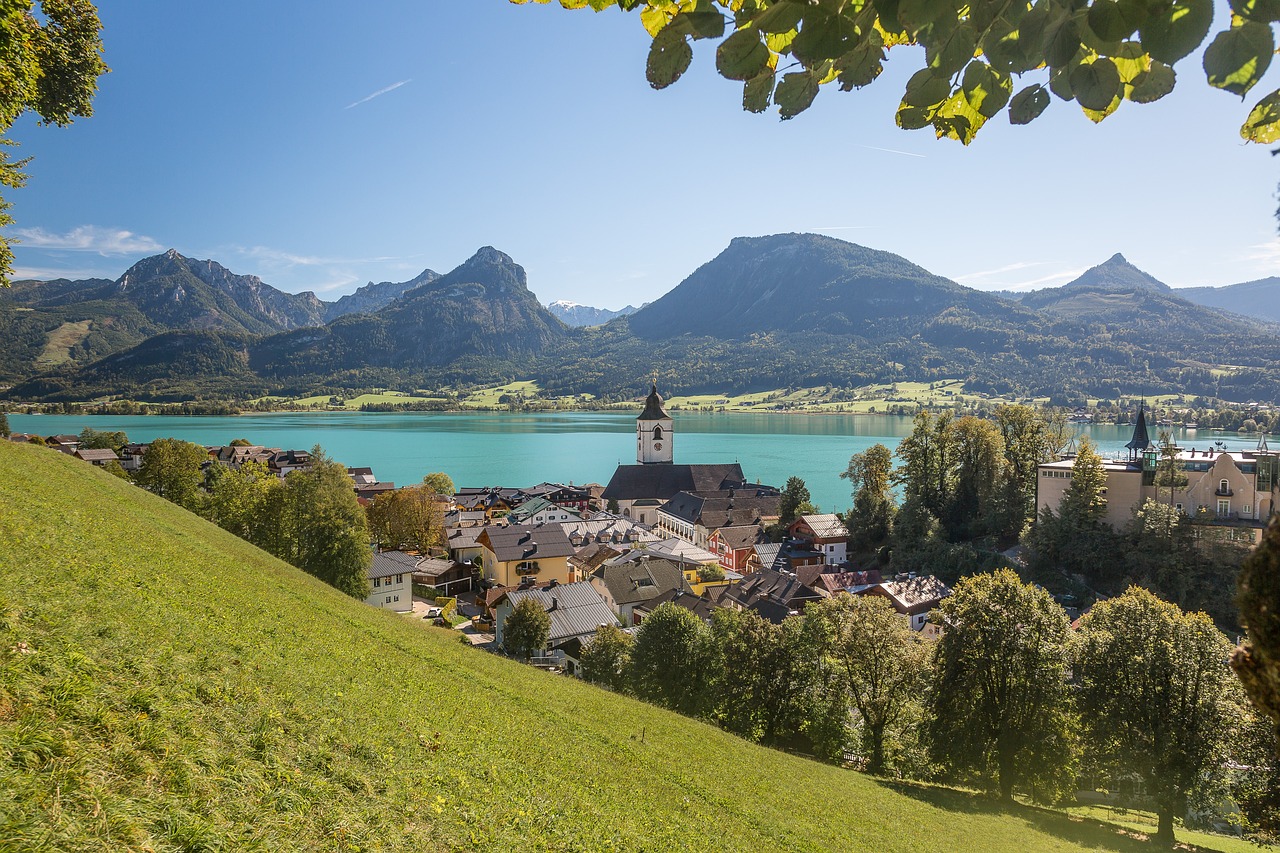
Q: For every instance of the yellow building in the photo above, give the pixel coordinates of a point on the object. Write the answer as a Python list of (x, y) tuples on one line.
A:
[(510, 554)]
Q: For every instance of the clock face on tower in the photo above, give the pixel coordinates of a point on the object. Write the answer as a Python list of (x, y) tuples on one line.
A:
[(657, 445)]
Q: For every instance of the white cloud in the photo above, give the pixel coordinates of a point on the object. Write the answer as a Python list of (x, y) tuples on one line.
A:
[(1266, 254), (88, 238), (50, 273), (382, 91)]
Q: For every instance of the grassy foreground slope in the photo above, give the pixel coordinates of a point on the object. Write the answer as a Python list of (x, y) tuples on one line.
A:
[(165, 686)]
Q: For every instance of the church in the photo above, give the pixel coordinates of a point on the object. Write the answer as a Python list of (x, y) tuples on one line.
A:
[(641, 488)]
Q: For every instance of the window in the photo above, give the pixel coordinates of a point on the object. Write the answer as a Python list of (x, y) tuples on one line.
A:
[(657, 433), (397, 598), (1247, 509), (377, 582), (1223, 486), (1224, 507), (388, 599), (1179, 506), (399, 578)]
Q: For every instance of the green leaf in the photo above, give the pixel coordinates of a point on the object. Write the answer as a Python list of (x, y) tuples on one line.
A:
[(1060, 82), (1263, 123), (1237, 58), (952, 52), (1061, 41), (1108, 21), (1262, 11), (823, 36), (986, 91), (887, 10), (926, 90), (1153, 84), (1096, 84), (781, 17), (1172, 33), (795, 93), (863, 64), (1026, 106), (915, 15), (701, 24), (757, 91), (742, 55), (913, 118), (957, 120), (669, 57), (1098, 115)]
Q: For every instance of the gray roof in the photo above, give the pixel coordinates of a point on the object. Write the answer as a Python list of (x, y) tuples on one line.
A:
[(701, 607), (653, 408), (631, 583), (576, 609), (527, 542), (739, 537), (717, 509), (608, 529), (388, 563), (94, 455), (778, 587), (664, 480), (767, 552), (915, 595)]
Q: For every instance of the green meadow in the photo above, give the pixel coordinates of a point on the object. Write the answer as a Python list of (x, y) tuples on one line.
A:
[(165, 686)]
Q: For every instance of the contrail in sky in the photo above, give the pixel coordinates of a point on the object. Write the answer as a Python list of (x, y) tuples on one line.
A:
[(368, 98), (874, 148)]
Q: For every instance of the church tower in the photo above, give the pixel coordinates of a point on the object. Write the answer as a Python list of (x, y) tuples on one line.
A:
[(653, 432)]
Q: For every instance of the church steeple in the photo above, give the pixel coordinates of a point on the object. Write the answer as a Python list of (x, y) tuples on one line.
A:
[(1140, 441), (654, 437)]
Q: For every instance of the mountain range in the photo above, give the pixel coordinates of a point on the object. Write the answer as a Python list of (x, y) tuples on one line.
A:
[(787, 310), (573, 314)]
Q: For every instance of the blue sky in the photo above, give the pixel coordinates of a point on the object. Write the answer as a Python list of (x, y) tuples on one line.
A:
[(322, 145)]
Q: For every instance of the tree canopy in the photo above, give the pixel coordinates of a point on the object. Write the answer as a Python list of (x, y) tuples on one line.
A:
[(1098, 53), (49, 64)]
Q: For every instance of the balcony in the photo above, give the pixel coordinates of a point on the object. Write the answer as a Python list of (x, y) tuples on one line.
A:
[(1223, 493)]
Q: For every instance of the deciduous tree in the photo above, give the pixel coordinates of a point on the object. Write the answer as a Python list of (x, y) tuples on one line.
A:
[(411, 519), (671, 661), (4, 425), (761, 674), (880, 660), (526, 630), (440, 482), (49, 64), (606, 658), (1257, 660), (173, 469), (795, 501), (870, 520), (1098, 53), (999, 707), (91, 439), (1156, 697)]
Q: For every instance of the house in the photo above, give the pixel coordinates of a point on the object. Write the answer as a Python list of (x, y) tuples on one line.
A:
[(625, 585), (493, 501), (773, 594), (463, 544), (234, 456), (795, 555), (734, 545), (444, 575), (510, 554), (391, 581), (97, 457), (833, 583), (763, 556), (693, 516), (622, 534), (540, 511), (576, 610), (1227, 495), (825, 533), (913, 596), (367, 494), (362, 476), (131, 456), (577, 499), (67, 444), (587, 560), (284, 462), (700, 606)]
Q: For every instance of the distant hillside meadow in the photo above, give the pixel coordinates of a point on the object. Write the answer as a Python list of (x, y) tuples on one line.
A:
[(166, 686), (781, 311)]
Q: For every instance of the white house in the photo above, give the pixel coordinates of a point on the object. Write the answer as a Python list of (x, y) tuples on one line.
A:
[(391, 581)]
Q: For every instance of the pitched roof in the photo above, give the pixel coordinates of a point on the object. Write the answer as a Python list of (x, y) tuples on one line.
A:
[(94, 455), (631, 583), (576, 609), (834, 582), (701, 607), (1140, 440), (723, 508), (776, 586), (825, 526), (388, 563), (433, 566), (664, 481), (673, 548), (607, 529), (533, 506), (738, 537), (527, 542), (767, 552), (593, 556), (914, 595)]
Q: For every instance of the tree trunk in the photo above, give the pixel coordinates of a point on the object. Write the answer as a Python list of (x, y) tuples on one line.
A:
[(1006, 774), (1164, 831), (876, 766)]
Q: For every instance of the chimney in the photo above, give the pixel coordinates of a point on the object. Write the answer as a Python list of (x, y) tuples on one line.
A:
[(555, 602)]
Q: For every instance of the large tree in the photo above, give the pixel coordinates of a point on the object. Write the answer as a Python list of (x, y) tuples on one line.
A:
[(240, 498), (92, 439), (1000, 710), (881, 664), (1257, 660), (411, 518), (606, 658), (1156, 697), (761, 675), (173, 469), (1028, 442), (49, 64), (870, 520), (4, 425), (1098, 53), (671, 660)]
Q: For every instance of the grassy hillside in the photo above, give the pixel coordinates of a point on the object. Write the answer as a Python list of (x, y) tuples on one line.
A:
[(165, 686)]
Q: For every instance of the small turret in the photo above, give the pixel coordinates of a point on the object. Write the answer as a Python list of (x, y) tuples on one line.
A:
[(1140, 441)]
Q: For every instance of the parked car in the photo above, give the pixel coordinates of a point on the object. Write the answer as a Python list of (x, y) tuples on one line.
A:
[(433, 613)]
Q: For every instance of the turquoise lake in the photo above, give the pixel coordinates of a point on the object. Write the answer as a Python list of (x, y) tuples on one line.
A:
[(490, 449)]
